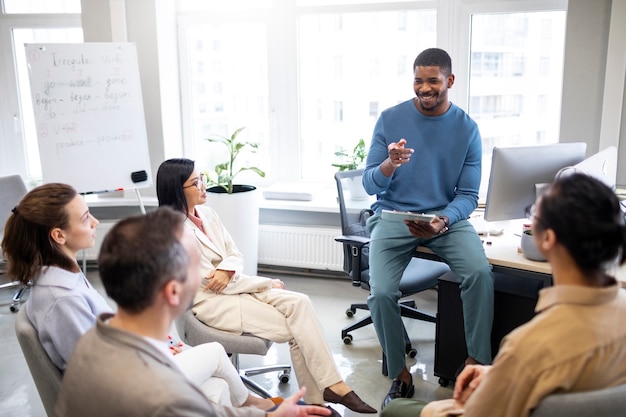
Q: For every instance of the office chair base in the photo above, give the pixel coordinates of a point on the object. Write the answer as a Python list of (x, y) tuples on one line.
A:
[(407, 309), (283, 377)]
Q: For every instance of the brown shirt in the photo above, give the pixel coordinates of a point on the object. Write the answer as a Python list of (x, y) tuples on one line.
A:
[(576, 343)]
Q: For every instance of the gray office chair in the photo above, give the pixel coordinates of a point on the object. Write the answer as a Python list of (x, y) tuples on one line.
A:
[(603, 402), (46, 375), (420, 274), (194, 332), (12, 189)]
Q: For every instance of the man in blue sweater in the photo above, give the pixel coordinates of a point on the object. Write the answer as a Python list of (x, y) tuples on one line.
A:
[(425, 157)]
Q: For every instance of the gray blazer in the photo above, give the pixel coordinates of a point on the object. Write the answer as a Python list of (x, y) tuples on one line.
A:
[(116, 373)]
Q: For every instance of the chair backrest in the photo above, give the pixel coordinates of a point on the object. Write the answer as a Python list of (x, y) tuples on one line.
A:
[(353, 211), (194, 332), (12, 189), (46, 375), (350, 213), (603, 402)]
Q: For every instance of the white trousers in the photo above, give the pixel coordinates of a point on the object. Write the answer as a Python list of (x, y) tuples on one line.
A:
[(209, 367)]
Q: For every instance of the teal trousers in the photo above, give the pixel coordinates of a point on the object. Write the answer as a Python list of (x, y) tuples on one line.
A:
[(391, 249)]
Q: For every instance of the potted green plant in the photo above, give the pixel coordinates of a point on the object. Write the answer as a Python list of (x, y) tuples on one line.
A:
[(350, 160), (226, 172), (236, 204), (353, 159)]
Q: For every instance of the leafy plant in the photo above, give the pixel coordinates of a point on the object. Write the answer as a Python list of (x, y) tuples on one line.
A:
[(225, 172), (353, 159)]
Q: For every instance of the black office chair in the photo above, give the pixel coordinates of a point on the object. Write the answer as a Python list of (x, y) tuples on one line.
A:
[(420, 274), (12, 189)]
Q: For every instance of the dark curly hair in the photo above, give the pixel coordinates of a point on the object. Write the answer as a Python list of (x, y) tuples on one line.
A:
[(586, 217)]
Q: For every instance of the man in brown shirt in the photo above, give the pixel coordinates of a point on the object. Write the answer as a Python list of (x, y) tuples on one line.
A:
[(577, 341)]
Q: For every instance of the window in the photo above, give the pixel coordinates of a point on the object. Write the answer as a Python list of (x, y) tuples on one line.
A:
[(370, 45), (301, 80), (312, 76), (338, 106), (515, 79), (374, 110), (236, 68)]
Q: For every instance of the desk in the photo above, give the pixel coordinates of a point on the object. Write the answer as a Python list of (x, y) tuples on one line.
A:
[(517, 285)]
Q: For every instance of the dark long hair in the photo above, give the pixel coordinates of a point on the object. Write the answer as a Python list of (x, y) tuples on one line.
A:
[(27, 243), (170, 178), (586, 218)]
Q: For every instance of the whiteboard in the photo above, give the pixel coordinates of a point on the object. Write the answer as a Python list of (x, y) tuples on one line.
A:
[(89, 115)]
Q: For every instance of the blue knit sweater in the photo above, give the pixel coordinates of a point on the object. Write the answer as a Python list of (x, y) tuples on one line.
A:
[(443, 175)]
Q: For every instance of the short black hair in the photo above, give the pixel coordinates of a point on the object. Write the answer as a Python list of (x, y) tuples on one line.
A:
[(434, 57)]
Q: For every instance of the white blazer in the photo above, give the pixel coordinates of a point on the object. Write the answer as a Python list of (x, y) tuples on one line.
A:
[(218, 251)]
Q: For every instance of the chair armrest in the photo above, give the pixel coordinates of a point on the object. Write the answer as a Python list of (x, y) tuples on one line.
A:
[(353, 240), (356, 244)]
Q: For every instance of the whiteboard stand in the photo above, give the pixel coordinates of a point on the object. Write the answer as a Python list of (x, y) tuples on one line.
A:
[(141, 206)]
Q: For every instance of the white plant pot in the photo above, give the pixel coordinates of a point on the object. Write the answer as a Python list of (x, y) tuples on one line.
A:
[(239, 212), (357, 192)]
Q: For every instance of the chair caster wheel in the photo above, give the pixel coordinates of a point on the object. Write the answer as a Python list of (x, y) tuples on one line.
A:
[(347, 339), (444, 382), (14, 309), (412, 353), (350, 312), (283, 378)]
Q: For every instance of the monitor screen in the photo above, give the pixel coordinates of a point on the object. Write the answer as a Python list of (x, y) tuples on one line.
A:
[(602, 165), (517, 172)]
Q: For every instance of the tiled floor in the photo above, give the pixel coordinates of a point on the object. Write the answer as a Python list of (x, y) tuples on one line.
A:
[(359, 363)]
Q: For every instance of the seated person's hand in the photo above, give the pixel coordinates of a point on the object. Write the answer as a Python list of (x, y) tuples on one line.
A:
[(218, 280), (467, 382), (176, 346), (276, 283), (175, 350), (290, 407), (424, 229)]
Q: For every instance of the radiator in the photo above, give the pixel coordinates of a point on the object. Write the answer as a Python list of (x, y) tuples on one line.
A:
[(289, 246), (300, 247)]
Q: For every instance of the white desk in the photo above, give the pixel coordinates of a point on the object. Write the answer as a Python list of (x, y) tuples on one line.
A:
[(504, 251)]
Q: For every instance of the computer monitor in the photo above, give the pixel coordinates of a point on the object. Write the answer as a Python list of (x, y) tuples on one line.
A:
[(602, 165), (518, 172)]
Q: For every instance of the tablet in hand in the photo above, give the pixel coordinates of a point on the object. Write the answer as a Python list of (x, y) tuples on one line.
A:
[(401, 216)]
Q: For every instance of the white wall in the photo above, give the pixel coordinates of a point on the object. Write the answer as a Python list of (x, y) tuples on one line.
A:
[(593, 80)]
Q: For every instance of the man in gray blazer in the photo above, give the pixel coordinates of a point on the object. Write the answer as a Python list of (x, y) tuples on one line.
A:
[(149, 266)]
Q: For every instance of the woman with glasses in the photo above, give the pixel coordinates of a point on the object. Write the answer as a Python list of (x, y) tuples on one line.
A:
[(577, 340), (42, 238), (232, 301)]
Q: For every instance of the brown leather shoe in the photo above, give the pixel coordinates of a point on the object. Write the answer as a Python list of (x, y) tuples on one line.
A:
[(350, 400)]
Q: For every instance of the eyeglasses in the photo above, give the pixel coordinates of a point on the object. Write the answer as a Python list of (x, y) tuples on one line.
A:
[(200, 183)]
